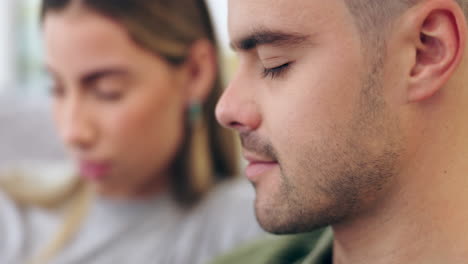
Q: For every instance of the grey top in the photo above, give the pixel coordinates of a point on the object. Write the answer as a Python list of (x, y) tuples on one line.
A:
[(150, 231)]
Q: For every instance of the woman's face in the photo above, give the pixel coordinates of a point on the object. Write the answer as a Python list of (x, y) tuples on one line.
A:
[(119, 109)]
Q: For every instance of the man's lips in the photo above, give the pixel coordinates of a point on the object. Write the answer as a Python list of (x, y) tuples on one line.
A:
[(257, 166), (94, 170)]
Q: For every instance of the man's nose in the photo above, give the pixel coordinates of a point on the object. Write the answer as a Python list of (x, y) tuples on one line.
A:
[(237, 108)]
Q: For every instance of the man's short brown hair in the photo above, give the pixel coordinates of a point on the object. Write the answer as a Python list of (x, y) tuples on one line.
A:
[(373, 17), (376, 14)]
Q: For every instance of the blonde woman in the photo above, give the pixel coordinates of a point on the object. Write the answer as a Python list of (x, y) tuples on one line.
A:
[(135, 85)]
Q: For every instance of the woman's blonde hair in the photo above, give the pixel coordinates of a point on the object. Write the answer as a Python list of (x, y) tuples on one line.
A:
[(169, 28)]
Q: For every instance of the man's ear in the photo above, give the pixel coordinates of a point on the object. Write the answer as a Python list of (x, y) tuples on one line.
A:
[(439, 42), (202, 69)]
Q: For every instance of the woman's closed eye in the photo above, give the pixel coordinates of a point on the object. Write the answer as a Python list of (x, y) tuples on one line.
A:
[(107, 95), (109, 88)]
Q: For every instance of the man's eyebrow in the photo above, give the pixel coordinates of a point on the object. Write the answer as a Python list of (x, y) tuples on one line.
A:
[(268, 37)]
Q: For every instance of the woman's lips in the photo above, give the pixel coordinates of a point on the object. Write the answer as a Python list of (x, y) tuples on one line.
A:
[(95, 171)]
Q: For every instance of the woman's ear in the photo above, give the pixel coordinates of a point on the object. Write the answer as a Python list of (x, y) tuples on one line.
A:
[(202, 69), (439, 45)]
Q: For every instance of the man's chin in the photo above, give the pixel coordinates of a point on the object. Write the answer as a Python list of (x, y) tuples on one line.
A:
[(278, 228), (281, 219), (289, 228), (272, 219)]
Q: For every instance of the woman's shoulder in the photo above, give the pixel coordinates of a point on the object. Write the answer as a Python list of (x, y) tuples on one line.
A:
[(223, 219), (231, 201), (229, 209), (232, 192)]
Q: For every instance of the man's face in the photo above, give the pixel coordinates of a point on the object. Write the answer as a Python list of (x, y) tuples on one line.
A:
[(312, 114)]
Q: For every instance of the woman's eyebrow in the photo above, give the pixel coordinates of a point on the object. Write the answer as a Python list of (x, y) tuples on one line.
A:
[(93, 76)]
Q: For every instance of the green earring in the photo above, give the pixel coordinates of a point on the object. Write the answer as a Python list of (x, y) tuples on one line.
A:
[(194, 111)]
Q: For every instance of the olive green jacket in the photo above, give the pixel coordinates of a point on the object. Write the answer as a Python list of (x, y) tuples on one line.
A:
[(309, 248)]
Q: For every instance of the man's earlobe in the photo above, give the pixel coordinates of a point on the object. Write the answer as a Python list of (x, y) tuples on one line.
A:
[(438, 50)]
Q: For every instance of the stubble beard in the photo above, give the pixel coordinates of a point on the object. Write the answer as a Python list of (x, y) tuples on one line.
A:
[(332, 183)]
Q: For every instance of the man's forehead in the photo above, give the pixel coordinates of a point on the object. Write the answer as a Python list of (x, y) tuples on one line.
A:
[(298, 16)]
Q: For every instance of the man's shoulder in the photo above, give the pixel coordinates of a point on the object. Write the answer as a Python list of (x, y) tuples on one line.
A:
[(285, 249)]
